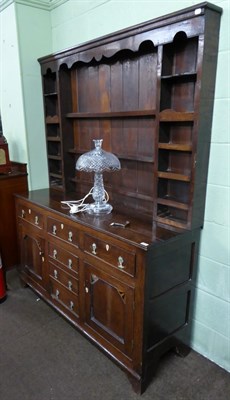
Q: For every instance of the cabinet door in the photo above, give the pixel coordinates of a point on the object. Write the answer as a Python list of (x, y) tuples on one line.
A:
[(32, 253), (109, 306)]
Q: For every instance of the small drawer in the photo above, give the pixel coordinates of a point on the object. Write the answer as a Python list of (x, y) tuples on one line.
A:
[(64, 278), (30, 215), (65, 259), (63, 231), (64, 297), (111, 254)]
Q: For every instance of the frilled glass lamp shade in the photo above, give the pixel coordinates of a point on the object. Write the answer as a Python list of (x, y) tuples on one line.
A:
[(98, 161)]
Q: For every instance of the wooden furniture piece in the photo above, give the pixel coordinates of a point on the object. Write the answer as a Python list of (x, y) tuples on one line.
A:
[(10, 183), (147, 91)]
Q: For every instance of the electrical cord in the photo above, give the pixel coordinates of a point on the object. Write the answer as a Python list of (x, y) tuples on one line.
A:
[(76, 206)]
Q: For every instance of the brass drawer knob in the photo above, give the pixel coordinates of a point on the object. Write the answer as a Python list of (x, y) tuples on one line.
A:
[(36, 220), (57, 293), (94, 248), (23, 214), (55, 253), (70, 285), (55, 274), (120, 262), (54, 230), (71, 305), (70, 263)]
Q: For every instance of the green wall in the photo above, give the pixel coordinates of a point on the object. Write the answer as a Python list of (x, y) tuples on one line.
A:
[(31, 32), (11, 100), (25, 34)]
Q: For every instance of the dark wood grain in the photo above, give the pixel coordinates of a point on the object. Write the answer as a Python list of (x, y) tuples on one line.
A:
[(148, 92)]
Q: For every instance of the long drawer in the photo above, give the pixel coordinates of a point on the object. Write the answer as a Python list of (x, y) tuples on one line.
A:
[(115, 256)]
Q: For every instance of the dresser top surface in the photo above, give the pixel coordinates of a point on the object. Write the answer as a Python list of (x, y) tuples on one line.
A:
[(137, 232)]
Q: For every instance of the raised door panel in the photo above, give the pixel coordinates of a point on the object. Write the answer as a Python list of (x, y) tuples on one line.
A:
[(109, 308), (32, 254)]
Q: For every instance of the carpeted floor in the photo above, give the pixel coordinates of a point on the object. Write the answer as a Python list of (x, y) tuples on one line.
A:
[(42, 357)]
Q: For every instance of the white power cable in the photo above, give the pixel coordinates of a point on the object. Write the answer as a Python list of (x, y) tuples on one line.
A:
[(77, 206)]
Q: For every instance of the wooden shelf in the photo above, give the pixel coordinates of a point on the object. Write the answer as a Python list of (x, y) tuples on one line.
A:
[(175, 146), (144, 159), (112, 114), (173, 203), (53, 138), (52, 119), (59, 176), (173, 175), (185, 75), (53, 157), (176, 116), (172, 222), (56, 186), (53, 94)]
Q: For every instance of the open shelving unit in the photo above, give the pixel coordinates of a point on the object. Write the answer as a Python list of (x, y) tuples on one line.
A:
[(145, 101)]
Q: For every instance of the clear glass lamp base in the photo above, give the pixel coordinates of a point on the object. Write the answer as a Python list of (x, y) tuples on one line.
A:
[(99, 208)]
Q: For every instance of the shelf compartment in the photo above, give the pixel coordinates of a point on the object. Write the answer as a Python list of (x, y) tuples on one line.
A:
[(180, 56), (176, 133), (178, 163), (130, 138), (55, 166), (56, 183), (54, 148), (178, 95), (50, 83), (112, 114), (52, 131), (175, 192), (51, 105), (59, 176), (172, 215), (134, 177)]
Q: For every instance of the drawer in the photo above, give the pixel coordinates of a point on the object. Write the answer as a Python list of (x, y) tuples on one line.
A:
[(64, 278), (31, 215), (63, 231), (64, 297), (115, 256), (63, 258)]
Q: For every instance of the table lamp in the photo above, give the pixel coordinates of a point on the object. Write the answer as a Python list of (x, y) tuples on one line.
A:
[(98, 161)]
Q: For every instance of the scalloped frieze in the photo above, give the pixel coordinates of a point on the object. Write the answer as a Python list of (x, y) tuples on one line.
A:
[(108, 46)]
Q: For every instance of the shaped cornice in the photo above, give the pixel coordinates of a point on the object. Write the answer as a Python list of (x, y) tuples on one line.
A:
[(43, 4)]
